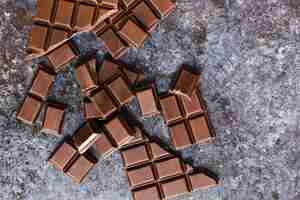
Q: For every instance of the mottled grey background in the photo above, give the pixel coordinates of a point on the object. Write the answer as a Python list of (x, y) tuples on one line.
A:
[(248, 52)]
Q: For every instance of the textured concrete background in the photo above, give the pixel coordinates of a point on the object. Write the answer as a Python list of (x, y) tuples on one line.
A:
[(248, 52)]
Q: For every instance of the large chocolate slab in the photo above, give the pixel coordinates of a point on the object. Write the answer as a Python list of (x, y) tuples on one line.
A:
[(53, 119), (56, 20), (29, 110)]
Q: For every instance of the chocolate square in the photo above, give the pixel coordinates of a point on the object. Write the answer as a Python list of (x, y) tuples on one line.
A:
[(147, 193), (42, 83), (107, 70), (133, 33), (29, 110), (140, 176), (147, 101), (192, 105), (170, 108), (200, 129), (145, 15), (136, 155), (103, 146), (164, 7), (175, 187), (80, 168), (110, 3), (120, 90), (84, 76), (186, 83), (201, 181), (113, 43), (157, 151), (64, 12), (37, 38), (85, 15), (57, 35), (91, 110), (63, 156), (180, 135), (169, 168), (44, 10), (53, 119)]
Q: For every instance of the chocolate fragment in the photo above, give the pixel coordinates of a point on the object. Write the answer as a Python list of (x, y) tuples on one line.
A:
[(85, 78), (53, 119), (135, 155), (168, 168), (42, 83), (147, 99), (140, 176), (186, 82), (91, 110), (29, 110), (103, 146), (175, 187), (63, 156), (85, 137), (149, 193), (81, 167), (170, 108), (202, 181), (164, 8)]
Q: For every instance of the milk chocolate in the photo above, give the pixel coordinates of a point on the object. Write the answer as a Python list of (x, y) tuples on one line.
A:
[(91, 110), (53, 119), (84, 76), (147, 99), (29, 110)]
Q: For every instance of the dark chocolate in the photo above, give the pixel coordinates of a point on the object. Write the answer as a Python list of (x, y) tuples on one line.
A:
[(53, 119), (29, 110)]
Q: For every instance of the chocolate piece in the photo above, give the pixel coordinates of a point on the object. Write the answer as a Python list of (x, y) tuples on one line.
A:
[(91, 110), (140, 176), (135, 155), (103, 146), (157, 151), (118, 130), (149, 193), (168, 168), (42, 83), (63, 156), (107, 70), (202, 181), (104, 102), (170, 108), (85, 137), (84, 76), (29, 110), (133, 34), (56, 20), (147, 99), (175, 187), (187, 119), (60, 56), (119, 88), (133, 22), (186, 83), (53, 119), (81, 167)]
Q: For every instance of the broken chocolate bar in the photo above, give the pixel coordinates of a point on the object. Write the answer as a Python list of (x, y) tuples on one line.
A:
[(147, 99), (56, 20), (29, 110), (187, 119), (53, 119)]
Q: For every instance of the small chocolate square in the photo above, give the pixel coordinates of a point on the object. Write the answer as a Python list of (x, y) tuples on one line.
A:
[(170, 108), (119, 130), (107, 70), (136, 155), (140, 176), (169, 168), (145, 15), (91, 110), (84, 76), (192, 106), (57, 35), (103, 146), (157, 151), (104, 103), (80, 168), (44, 9), (164, 7), (148, 193), (201, 181), (175, 187), (85, 137), (110, 3), (37, 38), (61, 56), (200, 129), (120, 90), (29, 110), (85, 15), (186, 83), (53, 119), (63, 156), (42, 83), (64, 12), (113, 43), (133, 33), (147, 101), (179, 135)]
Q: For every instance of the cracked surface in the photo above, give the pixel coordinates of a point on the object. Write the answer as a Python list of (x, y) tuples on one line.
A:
[(248, 52)]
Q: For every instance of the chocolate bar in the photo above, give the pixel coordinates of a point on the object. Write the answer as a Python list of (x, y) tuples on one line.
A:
[(53, 119), (185, 83), (187, 119), (29, 110), (42, 82), (132, 24), (147, 99), (56, 20), (155, 174)]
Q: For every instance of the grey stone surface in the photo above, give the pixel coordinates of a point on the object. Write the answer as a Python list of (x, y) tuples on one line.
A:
[(249, 55)]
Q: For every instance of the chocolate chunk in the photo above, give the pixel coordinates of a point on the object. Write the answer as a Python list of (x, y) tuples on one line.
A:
[(146, 16), (44, 9), (147, 99), (180, 135), (140, 176), (169, 168), (135, 155), (63, 156), (91, 110), (202, 181), (170, 108), (107, 70), (110, 3), (119, 130), (103, 146), (53, 119), (200, 129), (85, 16), (120, 89), (175, 187), (60, 56), (157, 151), (85, 77), (85, 137), (29, 110), (164, 8), (149, 193), (37, 38), (64, 13), (192, 105), (133, 34), (104, 102), (81, 167)]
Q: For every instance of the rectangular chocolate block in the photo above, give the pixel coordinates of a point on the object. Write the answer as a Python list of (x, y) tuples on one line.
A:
[(187, 119), (154, 173), (85, 77), (131, 25), (81, 167), (63, 156), (85, 137), (103, 146), (53, 119), (29, 110), (147, 99), (42, 82), (186, 82), (56, 20), (91, 110)]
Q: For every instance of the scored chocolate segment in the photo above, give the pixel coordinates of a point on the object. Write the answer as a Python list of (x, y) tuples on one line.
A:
[(90, 109), (85, 78), (63, 156), (168, 168), (135, 155), (81, 167), (103, 146), (175, 187), (107, 70), (149, 193), (164, 8), (53, 119), (202, 181), (200, 129), (147, 99), (120, 89), (170, 108), (179, 135), (29, 110), (192, 105), (140, 176)]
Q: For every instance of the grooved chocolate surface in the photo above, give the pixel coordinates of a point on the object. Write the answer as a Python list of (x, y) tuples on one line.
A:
[(53, 119), (103, 146), (85, 77), (119, 88), (29, 110), (147, 101)]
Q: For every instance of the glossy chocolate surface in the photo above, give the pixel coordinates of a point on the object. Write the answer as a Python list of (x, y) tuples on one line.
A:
[(147, 101), (84, 76), (53, 119), (29, 110)]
